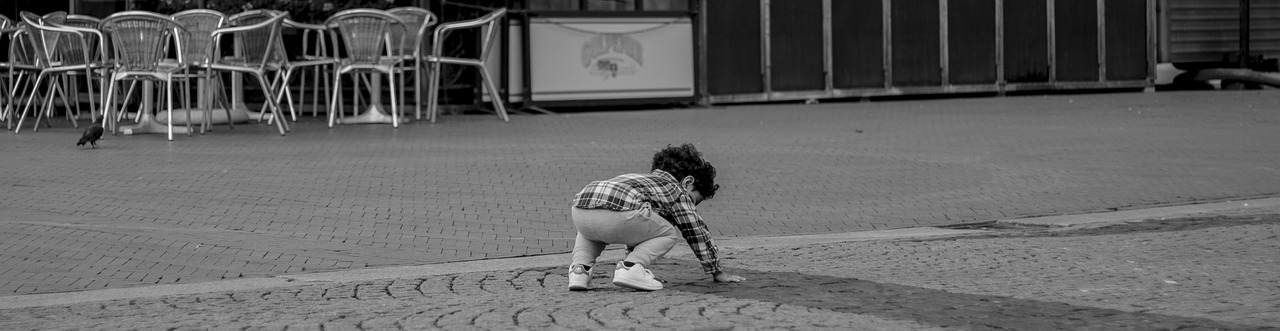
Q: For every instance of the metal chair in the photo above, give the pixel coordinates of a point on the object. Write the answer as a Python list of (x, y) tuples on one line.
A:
[(8, 29), (257, 41), (315, 55), (140, 39), (21, 65), (366, 37), (201, 23), (59, 51), (71, 48), (489, 28), (418, 20)]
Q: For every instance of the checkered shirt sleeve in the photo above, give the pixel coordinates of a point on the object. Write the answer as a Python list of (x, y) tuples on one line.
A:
[(684, 215)]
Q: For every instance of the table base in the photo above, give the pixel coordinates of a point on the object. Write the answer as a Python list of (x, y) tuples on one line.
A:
[(375, 115)]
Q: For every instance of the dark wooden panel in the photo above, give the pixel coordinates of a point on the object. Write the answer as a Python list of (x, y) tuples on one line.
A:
[(971, 41), (857, 40), (1026, 41), (796, 45), (734, 55), (1126, 24), (915, 29), (1076, 35)]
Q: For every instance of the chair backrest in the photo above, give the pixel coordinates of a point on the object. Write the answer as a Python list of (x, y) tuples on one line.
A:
[(86, 46), (487, 23), (57, 17), (366, 34), (20, 50), (416, 20), (140, 37), (43, 41), (200, 23), (259, 41)]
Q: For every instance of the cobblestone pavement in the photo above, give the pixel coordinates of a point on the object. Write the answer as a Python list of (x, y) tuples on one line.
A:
[(1209, 273), (249, 203)]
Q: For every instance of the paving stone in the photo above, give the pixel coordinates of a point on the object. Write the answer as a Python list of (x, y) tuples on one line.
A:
[(248, 203)]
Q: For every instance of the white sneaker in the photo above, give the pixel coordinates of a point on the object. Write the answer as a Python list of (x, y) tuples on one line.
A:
[(579, 278), (635, 277)]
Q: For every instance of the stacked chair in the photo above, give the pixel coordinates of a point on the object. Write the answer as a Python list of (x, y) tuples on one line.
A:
[(61, 56)]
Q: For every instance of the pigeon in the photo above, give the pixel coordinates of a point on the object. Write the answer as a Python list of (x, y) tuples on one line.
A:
[(91, 136)]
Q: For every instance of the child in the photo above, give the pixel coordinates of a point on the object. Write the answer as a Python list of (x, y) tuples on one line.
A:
[(648, 213)]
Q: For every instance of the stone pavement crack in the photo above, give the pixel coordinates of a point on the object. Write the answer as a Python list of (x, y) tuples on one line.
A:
[(927, 306)]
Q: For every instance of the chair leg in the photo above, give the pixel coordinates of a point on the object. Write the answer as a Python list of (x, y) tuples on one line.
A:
[(395, 110), (68, 100), (186, 100), (493, 94), (69, 85), (334, 107), (219, 94), (359, 78), (280, 83), (302, 88), (402, 101), (433, 85), (14, 98), (284, 88), (128, 96), (168, 99), (47, 111), (328, 86), (35, 89), (417, 89), (108, 121), (95, 97), (271, 103)]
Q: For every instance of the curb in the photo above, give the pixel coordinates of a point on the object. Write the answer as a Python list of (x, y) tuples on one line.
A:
[(1077, 220)]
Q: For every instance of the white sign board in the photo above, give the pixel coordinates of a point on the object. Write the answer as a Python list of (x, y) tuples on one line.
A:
[(610, 58)]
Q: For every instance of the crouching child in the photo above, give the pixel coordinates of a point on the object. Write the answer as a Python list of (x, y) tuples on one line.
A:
[(648, 213)]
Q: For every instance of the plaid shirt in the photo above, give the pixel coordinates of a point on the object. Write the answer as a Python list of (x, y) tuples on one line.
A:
[(664, 194)]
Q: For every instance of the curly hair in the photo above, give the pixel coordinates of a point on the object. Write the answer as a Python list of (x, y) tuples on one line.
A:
[(685, 160)]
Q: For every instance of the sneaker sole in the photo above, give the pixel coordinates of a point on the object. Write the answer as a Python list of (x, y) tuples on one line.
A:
[(636, 286)]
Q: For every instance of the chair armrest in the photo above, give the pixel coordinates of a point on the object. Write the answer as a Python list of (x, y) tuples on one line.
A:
[(217, 34), (439, 35), (306, 26), (476, 22), (237, 29)]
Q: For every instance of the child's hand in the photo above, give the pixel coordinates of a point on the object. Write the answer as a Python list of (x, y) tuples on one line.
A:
[(724, 277)]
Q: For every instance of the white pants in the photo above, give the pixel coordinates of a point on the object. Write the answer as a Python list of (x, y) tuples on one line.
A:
[(647, 234)]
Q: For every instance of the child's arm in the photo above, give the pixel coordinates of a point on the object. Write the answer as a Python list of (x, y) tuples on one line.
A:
[(695, 232)]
